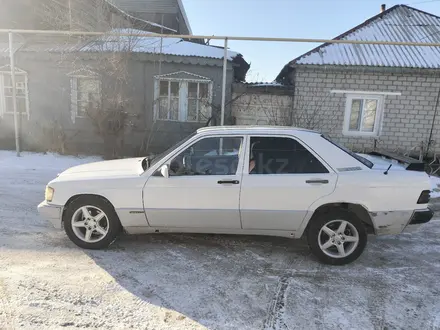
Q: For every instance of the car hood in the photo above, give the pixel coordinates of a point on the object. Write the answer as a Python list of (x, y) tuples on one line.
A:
[(108, 168)]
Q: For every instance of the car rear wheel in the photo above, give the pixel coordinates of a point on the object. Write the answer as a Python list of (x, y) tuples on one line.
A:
[(337, 237), (91, 222)]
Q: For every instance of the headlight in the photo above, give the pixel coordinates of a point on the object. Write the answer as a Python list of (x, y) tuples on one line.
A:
[(48, 195)]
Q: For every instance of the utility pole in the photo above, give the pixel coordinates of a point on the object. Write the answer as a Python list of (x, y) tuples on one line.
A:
[(14, 92), (225, 67)]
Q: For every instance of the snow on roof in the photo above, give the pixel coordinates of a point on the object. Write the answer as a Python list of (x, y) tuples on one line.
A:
[(399, 23), (153, 45), (265, 84)]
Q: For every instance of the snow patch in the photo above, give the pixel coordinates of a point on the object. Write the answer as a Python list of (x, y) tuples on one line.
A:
[(435, 186), (38, 161)]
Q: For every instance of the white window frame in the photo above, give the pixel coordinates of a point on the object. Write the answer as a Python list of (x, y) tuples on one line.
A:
[(183, 94), (74, 79), (378, 119), (6, 71)]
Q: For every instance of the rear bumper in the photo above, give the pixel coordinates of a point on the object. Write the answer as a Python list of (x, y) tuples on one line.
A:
[(421, 216), (418, 218), (51, 213)]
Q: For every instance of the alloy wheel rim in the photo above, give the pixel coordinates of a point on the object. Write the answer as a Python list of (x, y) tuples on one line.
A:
[(90, 224), (338, 238)]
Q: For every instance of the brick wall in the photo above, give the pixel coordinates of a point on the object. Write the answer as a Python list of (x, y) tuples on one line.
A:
[(406, 120)]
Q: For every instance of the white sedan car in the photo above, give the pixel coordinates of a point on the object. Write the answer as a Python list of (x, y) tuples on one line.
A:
[(242, 180)]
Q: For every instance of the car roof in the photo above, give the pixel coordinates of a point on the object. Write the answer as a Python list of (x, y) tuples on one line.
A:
[(249, 129)]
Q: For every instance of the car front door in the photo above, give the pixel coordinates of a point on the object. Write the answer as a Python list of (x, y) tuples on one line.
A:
[(203, 187), (281, 181)]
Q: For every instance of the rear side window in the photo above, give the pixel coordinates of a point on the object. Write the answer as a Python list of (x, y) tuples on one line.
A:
[(282, 155), (361, 159)]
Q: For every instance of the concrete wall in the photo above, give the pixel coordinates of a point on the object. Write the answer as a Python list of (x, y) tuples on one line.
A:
[(50, 99), (261, 105)]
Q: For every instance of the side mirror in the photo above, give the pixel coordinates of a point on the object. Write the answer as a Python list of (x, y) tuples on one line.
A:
[(165, 171)]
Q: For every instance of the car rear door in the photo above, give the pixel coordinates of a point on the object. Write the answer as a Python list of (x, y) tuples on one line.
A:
[(203, 188), (288, 178)]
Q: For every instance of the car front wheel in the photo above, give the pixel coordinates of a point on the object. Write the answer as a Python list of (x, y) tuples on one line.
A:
[(337, 237), (91, 222)]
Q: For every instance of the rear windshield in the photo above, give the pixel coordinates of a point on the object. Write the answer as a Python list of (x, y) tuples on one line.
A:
[(363, 160)]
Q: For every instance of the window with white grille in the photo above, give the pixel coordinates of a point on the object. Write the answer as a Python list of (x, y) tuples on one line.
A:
[(363, 115), (6, 92), (183, 100)]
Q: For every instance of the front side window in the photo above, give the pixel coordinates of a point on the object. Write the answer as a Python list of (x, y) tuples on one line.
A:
[(362, 115), (282, 155), (6, 97), (182, 100), (208, 156)]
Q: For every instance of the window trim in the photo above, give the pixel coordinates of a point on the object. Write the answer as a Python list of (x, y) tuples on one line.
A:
[(295, 138), (194, 138), (379, 114), (18, 72), (183, 94)]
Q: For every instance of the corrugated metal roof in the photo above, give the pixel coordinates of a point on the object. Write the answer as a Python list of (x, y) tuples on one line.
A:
[(153, 45), (153, 6), (148, 6), (134, 44), (398, 23), (125, 13)]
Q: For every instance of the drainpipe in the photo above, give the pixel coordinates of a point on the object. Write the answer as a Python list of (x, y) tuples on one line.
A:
[(225, 67)]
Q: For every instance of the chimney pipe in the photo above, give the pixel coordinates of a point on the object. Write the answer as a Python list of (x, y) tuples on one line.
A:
[(383, 7)]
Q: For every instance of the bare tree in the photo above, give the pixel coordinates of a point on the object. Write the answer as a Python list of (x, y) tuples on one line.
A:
[(311, 109)]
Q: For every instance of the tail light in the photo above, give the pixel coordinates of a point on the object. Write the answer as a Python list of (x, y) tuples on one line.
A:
[(424, 197)]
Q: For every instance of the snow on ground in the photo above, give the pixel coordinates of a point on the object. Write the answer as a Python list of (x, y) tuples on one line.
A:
[(435, 187), (199, 281)]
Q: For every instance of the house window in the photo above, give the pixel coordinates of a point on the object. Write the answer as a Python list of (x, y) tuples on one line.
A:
[(85, 95), (89, 95), (169, 98), (197, 101), (6, 94), (184, 100), (363, 115)]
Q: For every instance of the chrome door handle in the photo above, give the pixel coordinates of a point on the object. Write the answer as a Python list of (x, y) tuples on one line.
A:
[(228, 182), (317, 181)]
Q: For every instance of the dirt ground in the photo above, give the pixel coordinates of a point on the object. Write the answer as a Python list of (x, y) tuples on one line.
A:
[(201, 281)]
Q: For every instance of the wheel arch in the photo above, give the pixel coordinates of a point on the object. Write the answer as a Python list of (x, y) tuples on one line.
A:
[(359, 210), (74, 197)]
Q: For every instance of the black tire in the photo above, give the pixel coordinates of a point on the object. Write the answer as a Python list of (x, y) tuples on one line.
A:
[(114, 225), (320, 220)]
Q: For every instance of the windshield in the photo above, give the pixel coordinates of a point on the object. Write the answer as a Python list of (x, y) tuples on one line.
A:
[(363, 160), (157, 158)]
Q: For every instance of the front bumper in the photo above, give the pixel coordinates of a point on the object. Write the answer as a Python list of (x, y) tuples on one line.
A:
[(421, 216), (52, 213)]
